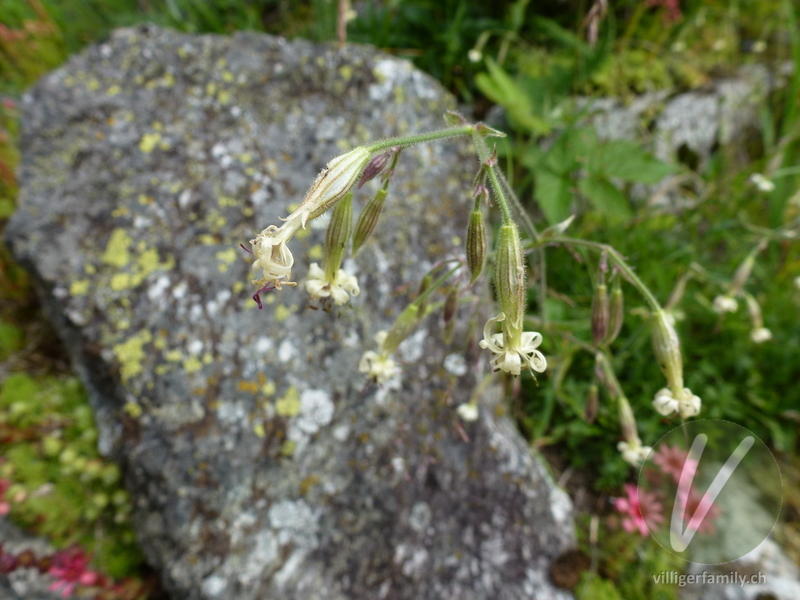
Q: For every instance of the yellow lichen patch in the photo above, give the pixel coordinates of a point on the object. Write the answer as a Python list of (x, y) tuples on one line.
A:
[(289, 405), (211, 88), (283, 312), (226, 258), (79, 287), (93, 84), (122, 211), (130, 354), (120, 281), (303, 233), (207, 239), (227, 76), (224, 97), (132, 409), (238, 287), (174, 356), (163, 369), (315, 252), (268, 388), (208, 358), (192, 364), (346, 71), (116, 253), (113, 90), (288, 448), (149, 142), (246, 158), (216, 221), (145, 200), (258, 429), (226, 201), (248, 386), (90, 269)]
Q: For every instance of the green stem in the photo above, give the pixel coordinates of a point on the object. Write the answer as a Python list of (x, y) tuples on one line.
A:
[(418, 138), (617, 259)]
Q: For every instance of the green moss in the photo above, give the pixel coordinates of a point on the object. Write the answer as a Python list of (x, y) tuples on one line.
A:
[(60, 486)]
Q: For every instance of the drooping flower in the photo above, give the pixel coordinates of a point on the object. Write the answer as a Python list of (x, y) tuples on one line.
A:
[(69, 567), (468, 411), (761, 182), (633, 452), (513, 349), (378, 365), (760, 335), (723, 304), (340, 289), (641, 509), (684, 403), (272, 257)]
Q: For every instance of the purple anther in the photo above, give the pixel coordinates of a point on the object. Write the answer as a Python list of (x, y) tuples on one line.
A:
[(257, 296), (245, 249)]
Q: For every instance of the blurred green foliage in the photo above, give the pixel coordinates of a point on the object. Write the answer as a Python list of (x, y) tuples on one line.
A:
[(60, 486)]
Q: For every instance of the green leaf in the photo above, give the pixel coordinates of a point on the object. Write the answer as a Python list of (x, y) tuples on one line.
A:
[(605, 197), (626, 159), (553, 195), (500, 87)]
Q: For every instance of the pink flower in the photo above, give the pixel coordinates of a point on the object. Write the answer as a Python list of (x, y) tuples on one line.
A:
[(4, 506), (641, 509), (672, 460), (69, 569), (693, 508)]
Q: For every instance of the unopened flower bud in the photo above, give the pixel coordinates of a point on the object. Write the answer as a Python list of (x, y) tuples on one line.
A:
[(334, 181), (627, 421), (401, 329), (375, 167), (476, 244), (616, 314), (368, 219), (450, 305), (509, 277), (599, 313), (667, 348), (337, 235), (592, 404), (743, 273)]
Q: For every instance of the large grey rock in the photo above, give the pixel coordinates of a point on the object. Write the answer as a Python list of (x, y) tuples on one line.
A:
[(261, 463)]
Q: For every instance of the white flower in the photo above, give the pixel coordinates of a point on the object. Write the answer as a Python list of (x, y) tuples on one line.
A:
[(272, 257), (340, 289), (509, 357), (759, 46), (378, 366), (474, 55), (761, 182), (468, 411), (664, 403), (686, 404), (633, 452), (760, 334), (723, 304)]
